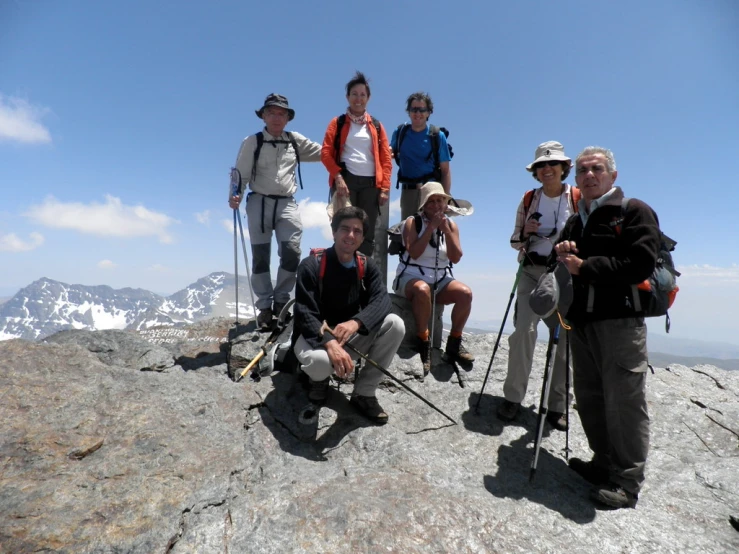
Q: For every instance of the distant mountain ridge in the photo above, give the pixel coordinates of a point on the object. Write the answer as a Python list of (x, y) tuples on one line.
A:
[(46, 306)]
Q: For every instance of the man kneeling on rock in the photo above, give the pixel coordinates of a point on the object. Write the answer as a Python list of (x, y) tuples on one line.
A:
[(345, 288)]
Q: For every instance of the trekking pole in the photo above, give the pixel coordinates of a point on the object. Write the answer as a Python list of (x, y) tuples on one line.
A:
[(567, 395), (433, 302), (544, 399), (248, 273), (235, 185), (500, 332), (236, 268), (326, 329)]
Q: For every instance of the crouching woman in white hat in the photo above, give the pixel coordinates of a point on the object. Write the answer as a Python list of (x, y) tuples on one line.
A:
[(431, 242)]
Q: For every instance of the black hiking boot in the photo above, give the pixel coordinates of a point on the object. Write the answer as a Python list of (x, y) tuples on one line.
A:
[(593, 474), (557, 420), (456, 352), (508, 410), (318, 391), (370, 408), (264, 319)]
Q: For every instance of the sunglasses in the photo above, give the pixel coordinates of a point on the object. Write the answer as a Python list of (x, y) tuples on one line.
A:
[(418, 110), (550, 163)]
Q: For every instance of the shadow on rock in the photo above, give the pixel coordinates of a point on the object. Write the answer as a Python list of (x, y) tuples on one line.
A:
[(285, 412), (551, 487), (204, 359)]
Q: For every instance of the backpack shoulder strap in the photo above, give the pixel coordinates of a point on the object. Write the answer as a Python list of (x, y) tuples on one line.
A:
[(434, 136), (402, 129), (297, 156), (418, 222), (257, 150), (319, 254), (528, 198), (361, 264), (337, 137), (575, 195)]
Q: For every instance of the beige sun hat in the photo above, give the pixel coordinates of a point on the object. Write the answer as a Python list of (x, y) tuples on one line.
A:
[(456, 206), (546, 151)]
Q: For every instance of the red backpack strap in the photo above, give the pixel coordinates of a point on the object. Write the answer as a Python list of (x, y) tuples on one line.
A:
[(318, 253), (528, 198), (575, 195), (361, 264)]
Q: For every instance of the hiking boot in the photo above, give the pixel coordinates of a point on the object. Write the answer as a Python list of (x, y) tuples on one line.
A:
[(277, 309), (557, 420), (423, 347), (370, 408), (264, 319), (318, 391), (592, 473), (456, 352), (615, 496), (508, 410)]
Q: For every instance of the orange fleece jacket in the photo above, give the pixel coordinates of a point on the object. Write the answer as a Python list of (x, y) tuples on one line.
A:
[(381, 151)]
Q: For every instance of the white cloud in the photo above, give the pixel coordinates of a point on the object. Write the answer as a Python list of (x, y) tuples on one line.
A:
[(394, 208), (228, 224), (314, 216), (106, 264), (203, 217), (112, 219), (708, 275), (20, 121), (11, 242)]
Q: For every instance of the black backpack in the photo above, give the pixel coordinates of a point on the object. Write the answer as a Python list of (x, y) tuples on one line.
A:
[(395, 234), (340, 121), (258, 149), (434, 135)]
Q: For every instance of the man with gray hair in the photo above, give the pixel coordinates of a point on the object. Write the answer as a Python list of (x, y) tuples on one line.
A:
[(266, 162), (608, 247)]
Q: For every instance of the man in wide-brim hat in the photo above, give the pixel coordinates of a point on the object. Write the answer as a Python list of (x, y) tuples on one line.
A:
[(266, 163)]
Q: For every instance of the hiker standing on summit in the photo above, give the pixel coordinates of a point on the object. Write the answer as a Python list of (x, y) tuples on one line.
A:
[(358, 159), (413, 147), (540, 217), (267, 162), (609, 247)]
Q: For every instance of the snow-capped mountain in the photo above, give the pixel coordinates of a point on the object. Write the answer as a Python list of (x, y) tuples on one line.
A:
[(46, 306)]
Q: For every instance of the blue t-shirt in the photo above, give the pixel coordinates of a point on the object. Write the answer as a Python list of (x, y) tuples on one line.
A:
[(415, 158)]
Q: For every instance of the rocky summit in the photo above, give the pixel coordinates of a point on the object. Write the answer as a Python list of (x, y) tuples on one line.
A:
[(130, 442)]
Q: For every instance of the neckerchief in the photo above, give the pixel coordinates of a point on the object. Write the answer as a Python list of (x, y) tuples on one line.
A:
[(358, 119)]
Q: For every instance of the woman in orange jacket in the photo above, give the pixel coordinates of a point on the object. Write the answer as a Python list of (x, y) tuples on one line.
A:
[(357, 155)]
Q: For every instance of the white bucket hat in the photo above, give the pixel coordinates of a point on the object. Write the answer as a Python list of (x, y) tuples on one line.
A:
[(456, 206), (546, 151)]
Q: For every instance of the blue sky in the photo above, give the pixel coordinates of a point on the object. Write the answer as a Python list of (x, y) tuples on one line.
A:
[(120, 120)]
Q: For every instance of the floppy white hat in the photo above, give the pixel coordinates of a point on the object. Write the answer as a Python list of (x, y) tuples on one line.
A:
[(546, 151)]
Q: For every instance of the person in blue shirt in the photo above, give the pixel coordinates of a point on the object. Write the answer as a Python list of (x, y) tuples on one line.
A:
[(417, 164)]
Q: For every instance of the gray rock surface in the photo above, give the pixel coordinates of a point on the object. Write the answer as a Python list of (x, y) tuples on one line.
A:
[(101, 457)]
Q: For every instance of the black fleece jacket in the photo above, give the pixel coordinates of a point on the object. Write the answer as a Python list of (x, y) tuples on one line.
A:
[(619, 250), (344, 297)]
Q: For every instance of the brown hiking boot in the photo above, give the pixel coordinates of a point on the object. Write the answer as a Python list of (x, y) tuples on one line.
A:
[(615, 496), (423, 347), (456, 352)]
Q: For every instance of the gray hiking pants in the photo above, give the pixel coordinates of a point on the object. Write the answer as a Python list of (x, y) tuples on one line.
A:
[(364, 194), (409, 201), (610, 374), (266, 214), (521, 346), (379, 346)]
